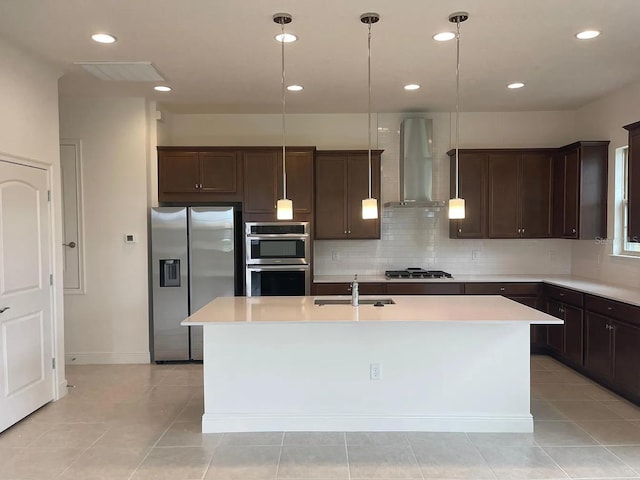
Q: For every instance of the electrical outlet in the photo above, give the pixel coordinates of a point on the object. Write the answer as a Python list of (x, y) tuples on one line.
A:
[(475, 254), (334, 256), (374, 371)]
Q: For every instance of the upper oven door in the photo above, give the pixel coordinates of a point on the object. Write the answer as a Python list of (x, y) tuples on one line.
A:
[(274, 250)]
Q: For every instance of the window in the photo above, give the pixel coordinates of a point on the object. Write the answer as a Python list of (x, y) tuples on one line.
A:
[(628, 248)]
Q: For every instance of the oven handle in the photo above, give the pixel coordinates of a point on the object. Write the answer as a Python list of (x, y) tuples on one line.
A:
[(258, 236), (273, 268)]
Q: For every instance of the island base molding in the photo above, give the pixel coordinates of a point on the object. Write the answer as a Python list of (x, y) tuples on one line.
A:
[(212, 423)]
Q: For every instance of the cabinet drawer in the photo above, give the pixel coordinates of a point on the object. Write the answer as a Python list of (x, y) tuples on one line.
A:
[(613, 309), (424, 288), (564, 295), (501, 288), (345, 288)]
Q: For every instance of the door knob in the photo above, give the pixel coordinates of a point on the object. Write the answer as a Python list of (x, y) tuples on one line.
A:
[(4, 309), (70, 244)]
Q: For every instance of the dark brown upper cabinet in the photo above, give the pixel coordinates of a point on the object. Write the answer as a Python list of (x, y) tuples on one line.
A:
[(263, 182), (633, 192), (342, 182), (580, 190), (520, 194), (472, 184), (196, 174)]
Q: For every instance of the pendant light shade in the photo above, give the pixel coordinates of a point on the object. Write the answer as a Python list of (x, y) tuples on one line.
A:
[(284, 207), (369, 208), (456, 208), (369, 205), (456, 205)]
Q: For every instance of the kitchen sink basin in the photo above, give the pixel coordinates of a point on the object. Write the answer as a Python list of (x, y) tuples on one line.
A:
[(378, 302)]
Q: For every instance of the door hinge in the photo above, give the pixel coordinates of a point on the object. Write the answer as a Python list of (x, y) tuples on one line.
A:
[(48, 195), (51, 279), (53, 363)]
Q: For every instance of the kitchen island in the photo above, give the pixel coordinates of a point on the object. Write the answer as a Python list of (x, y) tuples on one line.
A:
[(425, 363)]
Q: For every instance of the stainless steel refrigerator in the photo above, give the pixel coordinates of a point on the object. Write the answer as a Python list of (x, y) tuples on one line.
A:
[(194, 259)]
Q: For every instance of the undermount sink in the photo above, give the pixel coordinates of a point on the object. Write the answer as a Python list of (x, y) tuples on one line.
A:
[(363, 301)]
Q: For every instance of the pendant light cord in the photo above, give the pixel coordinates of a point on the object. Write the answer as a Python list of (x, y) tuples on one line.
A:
[(369, 104), (284, 159), (457, 104)]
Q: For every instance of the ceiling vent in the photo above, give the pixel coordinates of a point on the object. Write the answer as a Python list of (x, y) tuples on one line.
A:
[(123, 71)]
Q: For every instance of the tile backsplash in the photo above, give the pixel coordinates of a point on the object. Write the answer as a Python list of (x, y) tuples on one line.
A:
[(410, 238)]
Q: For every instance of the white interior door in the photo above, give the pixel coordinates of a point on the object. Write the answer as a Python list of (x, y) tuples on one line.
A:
[(26, 376)]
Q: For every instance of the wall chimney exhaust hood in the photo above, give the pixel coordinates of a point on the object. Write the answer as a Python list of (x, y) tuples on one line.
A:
[(416, 166)]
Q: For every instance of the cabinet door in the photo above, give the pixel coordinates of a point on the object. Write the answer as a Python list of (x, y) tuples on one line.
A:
[(331, 195), (571, 194), (261, 181), (219, 172), (555, 333), (178, 172), (626, 356), (300, 181), (504, 193), (598, 348), (535, 195), (472, 185), (358, 190), (573, 334)]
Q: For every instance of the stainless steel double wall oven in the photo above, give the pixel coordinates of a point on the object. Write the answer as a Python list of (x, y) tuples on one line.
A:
[(278, 258)]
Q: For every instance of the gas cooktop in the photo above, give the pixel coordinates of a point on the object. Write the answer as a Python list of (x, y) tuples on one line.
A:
[(417, 273)]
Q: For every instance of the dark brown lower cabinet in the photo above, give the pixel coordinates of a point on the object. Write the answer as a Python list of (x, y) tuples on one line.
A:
[(598, 354), (425, 288), (613, 352), (566, 340), (345, 288)]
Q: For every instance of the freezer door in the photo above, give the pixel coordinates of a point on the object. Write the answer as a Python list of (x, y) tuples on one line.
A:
[(169, 276), (211, 235)]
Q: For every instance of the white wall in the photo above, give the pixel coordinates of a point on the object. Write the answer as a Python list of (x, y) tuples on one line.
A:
[(29, 130), (109, 324), (408, 237), (603, 120)]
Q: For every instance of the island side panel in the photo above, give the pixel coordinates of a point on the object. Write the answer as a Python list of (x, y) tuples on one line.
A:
[(434, 376)]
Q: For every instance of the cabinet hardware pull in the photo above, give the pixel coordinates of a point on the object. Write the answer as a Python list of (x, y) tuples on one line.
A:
[(4, 309), (562, 294), (609, 308), (459, 230), (573, 230), (502, 289), (70, 244), (196, 186)]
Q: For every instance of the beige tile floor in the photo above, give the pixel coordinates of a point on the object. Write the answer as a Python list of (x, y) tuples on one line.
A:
[(138, 422)]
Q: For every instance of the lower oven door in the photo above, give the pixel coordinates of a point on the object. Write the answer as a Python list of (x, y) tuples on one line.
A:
[(271, 280)]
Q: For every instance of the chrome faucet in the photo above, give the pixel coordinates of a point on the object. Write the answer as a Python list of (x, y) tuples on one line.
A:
[(355, 293)]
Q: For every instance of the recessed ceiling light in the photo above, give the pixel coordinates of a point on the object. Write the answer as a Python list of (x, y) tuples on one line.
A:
[(444, 36), (103, 38), (162, 88), (515, 85), (294, 88), (412, 86), (587, 34), (286, 37)]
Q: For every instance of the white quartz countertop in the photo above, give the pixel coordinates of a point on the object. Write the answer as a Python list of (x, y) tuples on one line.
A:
[(419, 308), (585, 285)]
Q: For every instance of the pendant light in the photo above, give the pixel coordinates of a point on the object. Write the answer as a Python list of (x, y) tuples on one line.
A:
[(456, 205), (369, 205), (284, 207)]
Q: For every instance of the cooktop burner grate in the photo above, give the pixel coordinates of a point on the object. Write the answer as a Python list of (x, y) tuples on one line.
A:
[(417, 273)]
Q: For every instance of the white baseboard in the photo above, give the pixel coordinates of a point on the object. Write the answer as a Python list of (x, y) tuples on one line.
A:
[(102, 358), (216, 423)]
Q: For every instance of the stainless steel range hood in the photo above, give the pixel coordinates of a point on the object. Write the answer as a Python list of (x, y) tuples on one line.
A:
[(416, 166)]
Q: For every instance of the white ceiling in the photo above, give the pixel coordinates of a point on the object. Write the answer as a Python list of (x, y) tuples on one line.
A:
[(220, 56)]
